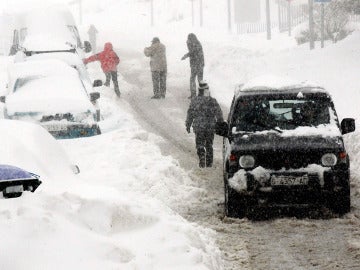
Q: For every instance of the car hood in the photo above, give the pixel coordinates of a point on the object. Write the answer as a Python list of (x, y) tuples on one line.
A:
[(276, 142), (50, 95)]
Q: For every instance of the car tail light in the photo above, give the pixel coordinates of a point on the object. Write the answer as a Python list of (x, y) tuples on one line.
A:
[(232, 157), (342, 155)]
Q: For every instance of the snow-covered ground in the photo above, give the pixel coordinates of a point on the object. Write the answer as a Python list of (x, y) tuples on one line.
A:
[(122, 210)]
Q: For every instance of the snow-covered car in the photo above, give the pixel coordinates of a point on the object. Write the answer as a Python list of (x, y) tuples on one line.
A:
[(283, 147), (51, 93), (29, 153), (38, 32), (73, 60)]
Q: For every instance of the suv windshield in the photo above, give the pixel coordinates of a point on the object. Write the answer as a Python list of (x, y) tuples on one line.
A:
[(266, 113)]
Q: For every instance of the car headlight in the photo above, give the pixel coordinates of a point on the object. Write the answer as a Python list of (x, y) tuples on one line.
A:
[(328, 160), (247, 161)]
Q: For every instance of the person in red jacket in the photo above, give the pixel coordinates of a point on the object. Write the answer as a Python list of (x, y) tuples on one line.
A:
[(109, 61)]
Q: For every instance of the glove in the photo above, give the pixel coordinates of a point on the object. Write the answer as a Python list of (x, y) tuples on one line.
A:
[(183, 58), (188, 129)]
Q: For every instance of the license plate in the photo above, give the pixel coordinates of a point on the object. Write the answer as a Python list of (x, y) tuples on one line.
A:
[(289, 180), (14, 189), (55, 128)]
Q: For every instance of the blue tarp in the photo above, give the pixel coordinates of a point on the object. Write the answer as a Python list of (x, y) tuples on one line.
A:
[(8, 172)]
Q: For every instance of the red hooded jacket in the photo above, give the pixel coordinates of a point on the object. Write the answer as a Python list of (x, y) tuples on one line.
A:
[(108, 58)]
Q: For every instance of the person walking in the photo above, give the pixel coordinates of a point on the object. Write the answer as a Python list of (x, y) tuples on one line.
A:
[(109, 61), (158, 66), (203, 114), (197, 62), (92, 32)]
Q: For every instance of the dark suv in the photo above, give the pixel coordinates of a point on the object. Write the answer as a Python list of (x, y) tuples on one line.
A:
[(283, 147)]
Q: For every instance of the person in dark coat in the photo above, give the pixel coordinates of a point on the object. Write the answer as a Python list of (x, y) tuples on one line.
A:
[(197, 62), (203, 114), (109, 62), (158, 65)]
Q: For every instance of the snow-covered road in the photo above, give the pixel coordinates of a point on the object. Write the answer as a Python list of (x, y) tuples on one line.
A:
[(324, 242)]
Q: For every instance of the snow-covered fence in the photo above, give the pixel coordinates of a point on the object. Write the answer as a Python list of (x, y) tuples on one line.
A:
[(245, 28), (354, 18), (298, 15)]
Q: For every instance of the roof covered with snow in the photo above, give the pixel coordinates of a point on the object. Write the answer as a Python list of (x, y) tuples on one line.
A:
[(270, 83)]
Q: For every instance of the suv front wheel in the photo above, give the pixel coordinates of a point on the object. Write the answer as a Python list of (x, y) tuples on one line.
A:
[(235, 204), (340, 202)]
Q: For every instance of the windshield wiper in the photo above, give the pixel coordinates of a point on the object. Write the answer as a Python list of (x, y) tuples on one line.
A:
[(261, 124)]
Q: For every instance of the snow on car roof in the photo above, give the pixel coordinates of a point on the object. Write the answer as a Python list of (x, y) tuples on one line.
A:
[(43, 67), (71, 59), (270, 83), (47, 30), (50, 94)]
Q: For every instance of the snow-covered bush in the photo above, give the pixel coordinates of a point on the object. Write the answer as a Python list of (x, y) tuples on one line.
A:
[(336, 17)]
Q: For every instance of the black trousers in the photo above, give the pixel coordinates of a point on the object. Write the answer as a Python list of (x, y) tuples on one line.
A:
[(112, 75), (195, 72), (204, 146), (159, 83)]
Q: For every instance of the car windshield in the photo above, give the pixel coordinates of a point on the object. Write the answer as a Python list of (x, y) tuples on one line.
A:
[(269, 113)]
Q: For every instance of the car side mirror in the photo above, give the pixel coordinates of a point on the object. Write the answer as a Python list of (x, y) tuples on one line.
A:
[(75, 169), (222, 129), (3, 99), (87, 46), (97, 83), (94, 96), (347, 125)]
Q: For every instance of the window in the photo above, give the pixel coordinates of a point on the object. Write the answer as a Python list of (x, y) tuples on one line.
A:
[(264, 113)]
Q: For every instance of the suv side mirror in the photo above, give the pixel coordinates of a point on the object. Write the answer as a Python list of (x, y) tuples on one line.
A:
[(94, 96), (347, 125), (3, 99), (87, 46), (222, 129), (97, 83)]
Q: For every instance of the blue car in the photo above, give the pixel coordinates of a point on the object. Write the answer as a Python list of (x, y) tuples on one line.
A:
[(14, 181)]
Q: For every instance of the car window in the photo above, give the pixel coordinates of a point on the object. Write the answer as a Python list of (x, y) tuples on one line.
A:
[(74, 32), (20, 82), (265, 113)]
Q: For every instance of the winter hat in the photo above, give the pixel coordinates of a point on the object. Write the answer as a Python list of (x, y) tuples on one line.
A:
[(204, 89), (203, 85), (155, 40)]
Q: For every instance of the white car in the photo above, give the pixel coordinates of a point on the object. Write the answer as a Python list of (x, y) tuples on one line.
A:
[(55, 30), (74, 61), (51, 93)]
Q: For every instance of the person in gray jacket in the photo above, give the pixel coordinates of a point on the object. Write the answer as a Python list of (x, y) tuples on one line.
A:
[(203, 114), (197, 61), (158, 65)]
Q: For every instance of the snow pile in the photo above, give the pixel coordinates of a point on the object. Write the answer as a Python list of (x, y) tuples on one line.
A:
[(101, 218)]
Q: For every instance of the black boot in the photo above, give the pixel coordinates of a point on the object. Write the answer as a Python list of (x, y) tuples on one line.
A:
[(117, 91)]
